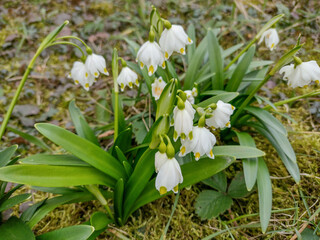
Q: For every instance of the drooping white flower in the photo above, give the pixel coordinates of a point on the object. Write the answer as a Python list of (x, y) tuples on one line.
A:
[(169, 176), (183, 121), (81, 75), (160, 159), (271, 38), (127, 77), (174, 39), (157, 87), (301, 74), (221, 115), (191, 94), (202, 143), (96, 64), (151, 55), (190, 97)]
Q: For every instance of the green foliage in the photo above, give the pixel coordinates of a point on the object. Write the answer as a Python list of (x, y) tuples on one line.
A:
[(73, 233), (16, 229)]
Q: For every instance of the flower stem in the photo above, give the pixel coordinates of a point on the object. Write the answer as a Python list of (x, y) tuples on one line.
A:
[(310, 94), (96, 192), (73, 37), (115, 67), (247, 100), (17, 94), (68, 43)]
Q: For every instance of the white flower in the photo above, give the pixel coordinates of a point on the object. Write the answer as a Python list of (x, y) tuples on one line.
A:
[(81, 75), (221, 115), (190, 97), (169, 176), (183, 121), (202, 143), (271, 38), (95, 64), (191, 94), (160, 159), (174, 39), (302, 74), (151, 55), (157, 88), (127, 77)]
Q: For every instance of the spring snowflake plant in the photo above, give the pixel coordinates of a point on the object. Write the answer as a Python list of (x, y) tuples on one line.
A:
[(181, 148)]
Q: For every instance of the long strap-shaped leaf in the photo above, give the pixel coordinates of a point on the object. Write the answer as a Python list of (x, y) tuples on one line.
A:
[(265, 194), (240, 70), (192, 172), (83, 149), (54, 176), (250, 165)]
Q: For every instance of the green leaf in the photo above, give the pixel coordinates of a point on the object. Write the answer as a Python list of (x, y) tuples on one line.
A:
[(81, 232), (250, 165), (309, 234), (99, 220), (30, 138), (191, 47), (83, 149), (195, 63), (139, 179), (80, 124), (192, 173), (118, 200), (6, 154), (267, 119), (291, 166), (203, 78), (217, 181), (210, 204), (225, 97), (139, 130), (238, 152), (265, 194), (240, 71), (60, 160), (54, 176), (120, 155), (15, 229), (227, 52), (28, 213), (215, 60), (13, 201), (123, 140), (102, 108), (237, 188)]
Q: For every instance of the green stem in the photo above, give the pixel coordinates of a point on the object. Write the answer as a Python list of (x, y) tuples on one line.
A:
[(314, 93), (240, 53), (247, 100), (17, 94), (74, 37), (68, 43), (96, 192), (115, 73)]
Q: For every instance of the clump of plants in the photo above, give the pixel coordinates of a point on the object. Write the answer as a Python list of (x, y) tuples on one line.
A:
[(204, 117)]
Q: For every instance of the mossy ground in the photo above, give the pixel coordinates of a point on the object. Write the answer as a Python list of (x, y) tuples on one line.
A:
[(97, 22)]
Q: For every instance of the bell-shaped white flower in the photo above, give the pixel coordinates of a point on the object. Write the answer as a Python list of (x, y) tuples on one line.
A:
[(302, 74), (127, 77), (174, 39), (271, 38), (191, 94), (96, 64), (221, 115), (169, 176), (81, 75), (157, 87), (190, 97), (160, 159), (151, 55), (202, 143), (183, 116)]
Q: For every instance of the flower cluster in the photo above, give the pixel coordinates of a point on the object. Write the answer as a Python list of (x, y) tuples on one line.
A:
[(86, 73)]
